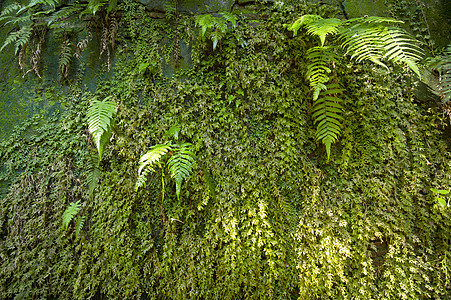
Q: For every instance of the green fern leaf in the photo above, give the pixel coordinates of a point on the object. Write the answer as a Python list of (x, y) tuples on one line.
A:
[(19, 38), (205, 22), (12, 8), (100, 122), (317, 70), (181, 164), (23, 37), (173, 132), (328, 115), (317, 26), (230, 17), (362, 43), (445, 76), (401, 48), (371, 39), (70, 212), (79, 225), (148, 160), (94, 173)]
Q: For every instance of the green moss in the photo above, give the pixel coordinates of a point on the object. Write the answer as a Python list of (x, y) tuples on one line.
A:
[(360, 8)]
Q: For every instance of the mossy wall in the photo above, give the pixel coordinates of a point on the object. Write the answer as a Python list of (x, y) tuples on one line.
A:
[(265, 215)]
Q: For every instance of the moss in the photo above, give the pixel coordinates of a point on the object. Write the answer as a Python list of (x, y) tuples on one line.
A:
[(360, 8)]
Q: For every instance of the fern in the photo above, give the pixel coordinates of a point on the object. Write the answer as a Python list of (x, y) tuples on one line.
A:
[(360, 43), (369, 38), (217, 26), (100, 122), (63, 14), (399, 47), (79, 225), (181, 164), (70, 212), (94, 173), (327, 115), (148, 160), (318, 70), (65, 58), (12, 8), (445, 76), (316, 26), (19, 38)]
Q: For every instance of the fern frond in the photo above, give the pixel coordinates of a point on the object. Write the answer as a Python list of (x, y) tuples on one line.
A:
[(362, 43), (400, 47), (228, 16), (100, 121), (20, 20), (318, 69), (12, 8), (79, 225), (205, 22), (317, 26), (181, 164), (445, 76), (70, 212), (371, 20), (24, 35), (94, 173), (93, 7), (148, 160), (371, 39), (65, 58), (328, 115), (33, 3), (63, 14), (19, 38)]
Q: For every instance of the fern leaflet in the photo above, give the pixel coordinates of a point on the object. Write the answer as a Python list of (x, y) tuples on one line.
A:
[(181, 164), (70, 212), (79, 225), (100, 122), (400, 47), (94, 173), (148, 160), (14, 7), (318, 70), (317, 26), (327, 114), (445, 76)]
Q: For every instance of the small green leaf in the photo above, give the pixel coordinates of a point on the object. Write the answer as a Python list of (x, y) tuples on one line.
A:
[(441, 201)]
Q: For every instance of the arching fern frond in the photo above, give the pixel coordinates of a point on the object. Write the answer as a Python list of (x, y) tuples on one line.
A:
[(327, 113), (148, 160), (317, 26), (19, 38), (70, 212), (94, 173), (100, 122), (12, 8), (372, 39), (359, 41), (181, 164), (445, 76), (399, 47), (79, 225), (320, 58)]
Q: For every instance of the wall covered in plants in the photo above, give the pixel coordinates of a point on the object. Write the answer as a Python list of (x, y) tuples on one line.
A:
[(265, 214)]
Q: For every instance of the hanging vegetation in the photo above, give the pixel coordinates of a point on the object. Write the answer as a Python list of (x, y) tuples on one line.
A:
[(255, 207)]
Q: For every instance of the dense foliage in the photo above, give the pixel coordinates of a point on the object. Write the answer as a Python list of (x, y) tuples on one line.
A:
[(263, 215)]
